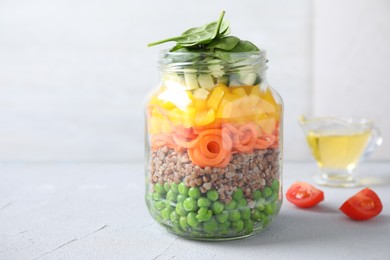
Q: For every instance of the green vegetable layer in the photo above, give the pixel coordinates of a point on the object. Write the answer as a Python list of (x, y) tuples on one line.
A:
[(189, 212)]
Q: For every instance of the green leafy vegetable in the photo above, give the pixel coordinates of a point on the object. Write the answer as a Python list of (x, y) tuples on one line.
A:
[(210, 37), (198, 35)]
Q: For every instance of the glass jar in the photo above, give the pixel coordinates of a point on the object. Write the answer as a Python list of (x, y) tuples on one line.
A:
[(213, 145)]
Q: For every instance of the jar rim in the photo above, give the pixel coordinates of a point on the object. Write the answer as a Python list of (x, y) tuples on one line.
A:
[(173, 61)]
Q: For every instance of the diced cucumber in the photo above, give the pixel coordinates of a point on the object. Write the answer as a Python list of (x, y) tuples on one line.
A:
[(216, 70), (200, 93), (248, 79), (206, 81), (235, 80), (173, 80), (191, 79), (223, 80)]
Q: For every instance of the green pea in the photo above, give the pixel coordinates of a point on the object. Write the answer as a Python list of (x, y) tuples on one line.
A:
[(248, 226), (222, 217), (242, 203), (180, 198), (171, 195), (238, 225), (231, 205), (158, 187), (204, 214), (194, 192), (180, 209), (274, 197), (157, 196), (174, 216), (266, 221), (169, 203), (166, 212), (176, 227), (275, 185), (192, 220), (196, 234), (210, 226), (167, 187), (260, 205), (160, 205), (224, 227), (204, 202), (189, 204), (257, 215), (267, 191), (234, 215), (237, 195), (183, 189), (183, 222), (212, 195), (269, 209), (257, 194), (217, 207), (174, 187), (245, 213)]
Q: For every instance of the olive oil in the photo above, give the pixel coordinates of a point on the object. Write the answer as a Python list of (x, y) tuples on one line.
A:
[(337, 151)]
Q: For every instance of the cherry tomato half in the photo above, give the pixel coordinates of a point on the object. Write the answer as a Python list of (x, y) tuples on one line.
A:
[(363, 205), (304, 195)]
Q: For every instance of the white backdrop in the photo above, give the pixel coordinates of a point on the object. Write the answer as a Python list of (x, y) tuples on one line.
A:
[(73, 74)]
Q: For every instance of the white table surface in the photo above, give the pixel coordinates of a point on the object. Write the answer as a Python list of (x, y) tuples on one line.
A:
[(97, 211)]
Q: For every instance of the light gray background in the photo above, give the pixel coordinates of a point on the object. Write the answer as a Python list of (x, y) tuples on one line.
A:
[(73, 74)]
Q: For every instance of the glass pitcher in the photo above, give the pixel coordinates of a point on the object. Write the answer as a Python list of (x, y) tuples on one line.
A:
[(338, 144)]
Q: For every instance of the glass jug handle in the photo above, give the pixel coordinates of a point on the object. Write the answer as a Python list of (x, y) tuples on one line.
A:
[(375, 141)]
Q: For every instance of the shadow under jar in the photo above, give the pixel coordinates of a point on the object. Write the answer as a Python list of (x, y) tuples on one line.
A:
[(213, 146)]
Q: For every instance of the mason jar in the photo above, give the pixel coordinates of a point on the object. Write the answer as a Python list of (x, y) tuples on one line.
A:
[(213, 143)]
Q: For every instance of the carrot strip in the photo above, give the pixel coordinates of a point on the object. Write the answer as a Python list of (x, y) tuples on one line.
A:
[(159, 140), (213, 149), (265, 141), (183, 142)]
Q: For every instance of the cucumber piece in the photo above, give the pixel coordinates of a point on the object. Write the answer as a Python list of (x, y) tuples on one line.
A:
[(206, 81), (249, 78), (216, 70), (191, 79), (235, 83), (173, 80), (200, 93), (223, 80)]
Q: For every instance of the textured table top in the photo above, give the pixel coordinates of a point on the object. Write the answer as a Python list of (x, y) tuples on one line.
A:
[(97, 211)]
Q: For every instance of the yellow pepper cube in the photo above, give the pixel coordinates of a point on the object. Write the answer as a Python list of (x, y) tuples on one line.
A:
[(199, 104), (255, 91), (239, 91), (266, 106), (225, 110), (267, 125), (205, 117), (216, 97), (268, 96)]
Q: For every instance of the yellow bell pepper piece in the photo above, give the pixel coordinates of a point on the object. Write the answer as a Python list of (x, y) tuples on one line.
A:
[(216, 96), (267, 125), (199, 104), (205, 117), (255, 91), (239, 91)]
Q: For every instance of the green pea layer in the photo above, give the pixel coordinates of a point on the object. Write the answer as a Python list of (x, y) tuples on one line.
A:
[(191, 213)]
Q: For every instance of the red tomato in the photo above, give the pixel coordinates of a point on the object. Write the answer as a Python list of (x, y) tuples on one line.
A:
[(363, 205), (304, 195)]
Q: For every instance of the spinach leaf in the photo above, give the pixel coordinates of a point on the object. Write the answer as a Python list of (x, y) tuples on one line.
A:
[(226, 43), (244, 46), (198, 35)]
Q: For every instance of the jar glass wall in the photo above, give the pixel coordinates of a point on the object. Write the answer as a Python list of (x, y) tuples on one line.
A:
[(213, 146)]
